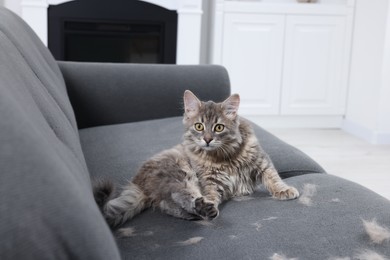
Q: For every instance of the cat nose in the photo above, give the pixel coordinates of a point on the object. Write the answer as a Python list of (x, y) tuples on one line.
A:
[(207, 139)]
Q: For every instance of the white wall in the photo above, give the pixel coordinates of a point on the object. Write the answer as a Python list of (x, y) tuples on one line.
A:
[(13, 5), (368, 109), (384, 102)]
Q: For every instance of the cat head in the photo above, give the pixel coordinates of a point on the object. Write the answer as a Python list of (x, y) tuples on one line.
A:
[(211, 126)]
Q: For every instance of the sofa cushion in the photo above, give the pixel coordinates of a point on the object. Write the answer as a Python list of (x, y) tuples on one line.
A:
[(29, 74), (38, 58), (326, 221), (46, 204)]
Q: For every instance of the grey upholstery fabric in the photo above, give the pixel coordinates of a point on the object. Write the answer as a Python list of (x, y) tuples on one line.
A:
[(38, 59), (104, 94), (46, 205), (119, 150), (288, 160), (259, 227), (328, 224)]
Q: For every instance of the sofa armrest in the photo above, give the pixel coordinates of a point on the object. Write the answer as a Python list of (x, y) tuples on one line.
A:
[(107, 93)]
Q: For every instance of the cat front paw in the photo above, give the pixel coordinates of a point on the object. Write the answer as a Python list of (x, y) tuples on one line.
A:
[(288, 193), (206, 209)]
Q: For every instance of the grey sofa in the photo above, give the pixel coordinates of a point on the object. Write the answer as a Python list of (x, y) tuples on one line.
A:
[(63, 124)]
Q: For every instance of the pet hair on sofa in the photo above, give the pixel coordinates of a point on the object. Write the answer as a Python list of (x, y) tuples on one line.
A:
[(308, 191), (281, 256), (369, 255), (378, 234)]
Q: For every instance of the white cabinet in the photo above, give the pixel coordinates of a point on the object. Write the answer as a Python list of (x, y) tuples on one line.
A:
[(253, 54), (313, 75), (285, 59)]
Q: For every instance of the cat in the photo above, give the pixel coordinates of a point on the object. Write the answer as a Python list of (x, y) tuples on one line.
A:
[(219, 158)]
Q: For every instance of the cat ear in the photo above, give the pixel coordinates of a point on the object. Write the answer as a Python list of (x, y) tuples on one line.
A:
[(191, 104), (231, 105)]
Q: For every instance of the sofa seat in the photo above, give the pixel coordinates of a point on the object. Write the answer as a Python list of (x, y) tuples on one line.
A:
[(323, 222)]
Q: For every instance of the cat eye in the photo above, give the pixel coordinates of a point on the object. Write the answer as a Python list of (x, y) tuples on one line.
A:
[(219, 128), (199, 127)]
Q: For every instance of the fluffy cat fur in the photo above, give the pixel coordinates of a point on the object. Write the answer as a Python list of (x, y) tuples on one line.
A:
[(219, 158)]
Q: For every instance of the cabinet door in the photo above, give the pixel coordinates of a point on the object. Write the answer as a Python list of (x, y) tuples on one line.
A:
[(252, 52), (314, 74)]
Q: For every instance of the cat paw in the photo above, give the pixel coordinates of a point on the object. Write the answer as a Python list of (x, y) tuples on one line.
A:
[(289, 193), (206, 209)]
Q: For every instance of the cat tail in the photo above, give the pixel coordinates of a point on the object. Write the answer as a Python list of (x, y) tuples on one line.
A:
[(103, 191), (118, 209)]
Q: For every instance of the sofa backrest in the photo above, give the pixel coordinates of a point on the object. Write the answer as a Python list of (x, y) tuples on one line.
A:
[(47, 210), (28, 68)]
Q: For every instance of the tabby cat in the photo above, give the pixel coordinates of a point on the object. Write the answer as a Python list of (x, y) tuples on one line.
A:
[(219, 158)]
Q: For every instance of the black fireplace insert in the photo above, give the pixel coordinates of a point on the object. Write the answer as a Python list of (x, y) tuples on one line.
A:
[(124, 31)]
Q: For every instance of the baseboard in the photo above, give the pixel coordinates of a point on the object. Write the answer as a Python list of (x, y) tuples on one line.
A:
[(296, 121), (371, 136)]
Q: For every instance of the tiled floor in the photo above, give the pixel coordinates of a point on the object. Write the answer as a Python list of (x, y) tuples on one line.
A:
[(344, 155)]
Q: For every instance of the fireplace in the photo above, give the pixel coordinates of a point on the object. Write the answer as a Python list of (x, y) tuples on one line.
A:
[(112, 31), (189, 13)]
